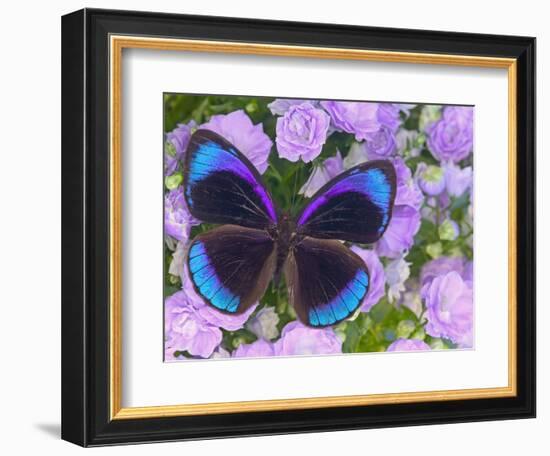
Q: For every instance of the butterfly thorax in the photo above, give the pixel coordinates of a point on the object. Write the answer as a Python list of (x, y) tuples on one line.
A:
[(285, 236)]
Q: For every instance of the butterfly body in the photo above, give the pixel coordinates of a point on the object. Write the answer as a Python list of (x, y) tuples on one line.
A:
[(232, 265), (285, 238)]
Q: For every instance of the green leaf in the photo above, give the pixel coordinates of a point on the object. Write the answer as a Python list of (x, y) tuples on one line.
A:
[(353, 335), (232, 339), (169, 290), (381, 310), (405, 328), (419, 334), (434, 250), (427, 232), (173, 181)]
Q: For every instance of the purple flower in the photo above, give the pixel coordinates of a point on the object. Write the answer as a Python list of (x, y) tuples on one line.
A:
[(177, 219), (468, 273), (209, 313), (239, 130), (397, 272), (451, 138), (407, 142), (258, 349), (457, 180), (178, 259), (176, 144), (359, 118), (264, 324), (405, 219), (297, 339), (441, 266), (302, 132), (321, 174), (186, 330), (408, 345), (280, 106), (444, 201), (450, 308), (225, 321), (388, 116), (380, 144), (399, 236), (407, 193), (430, 178), (376, 277)]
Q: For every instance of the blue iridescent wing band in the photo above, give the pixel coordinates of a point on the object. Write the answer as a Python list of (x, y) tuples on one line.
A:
[(222, 186), (231, 266), (356, 206), (326, 281)]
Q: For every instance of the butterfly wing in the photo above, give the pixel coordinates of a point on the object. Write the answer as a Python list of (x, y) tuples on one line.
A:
[(356, 206), (222, 186), (231, 266), (326, 281)]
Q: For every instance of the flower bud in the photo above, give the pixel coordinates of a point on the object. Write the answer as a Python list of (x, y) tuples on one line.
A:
[(448, 230), (173, 181)]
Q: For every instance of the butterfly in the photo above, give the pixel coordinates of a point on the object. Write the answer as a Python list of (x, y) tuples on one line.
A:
[(232, 265)]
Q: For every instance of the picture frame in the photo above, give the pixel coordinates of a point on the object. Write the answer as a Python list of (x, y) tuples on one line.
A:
[(93, 42)]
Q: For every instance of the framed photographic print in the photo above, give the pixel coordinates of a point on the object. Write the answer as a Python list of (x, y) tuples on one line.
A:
[(274, 227)]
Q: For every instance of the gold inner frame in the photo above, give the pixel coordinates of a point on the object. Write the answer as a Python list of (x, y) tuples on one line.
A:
[(117, 44)]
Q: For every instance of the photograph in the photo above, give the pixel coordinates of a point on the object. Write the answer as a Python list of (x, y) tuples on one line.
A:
[(297, 227)]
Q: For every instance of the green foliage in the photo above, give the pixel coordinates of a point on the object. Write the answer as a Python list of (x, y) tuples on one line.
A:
[(377, 329), (199, 108)]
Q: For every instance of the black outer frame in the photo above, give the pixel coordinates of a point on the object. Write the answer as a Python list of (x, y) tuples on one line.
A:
[(85, 227)]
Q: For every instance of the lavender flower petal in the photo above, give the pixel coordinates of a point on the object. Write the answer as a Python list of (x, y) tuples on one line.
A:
[(280, 106), (359, 118), (297, 339), (250, 139), (321, 174), (376, 277), (381, 144), (388, 116), (264, 324), (408, 345), (186, 330), (176, 144), (450, 311), (457, 180), (177, 218), (259, 349)]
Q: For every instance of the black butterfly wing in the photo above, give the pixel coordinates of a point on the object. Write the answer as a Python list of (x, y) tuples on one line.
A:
[(231, 266), (326, 281), (356, 206), (222, 186)]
